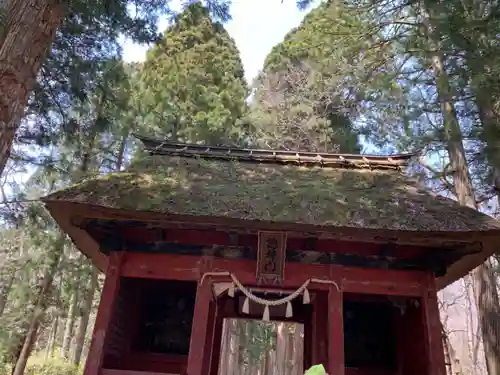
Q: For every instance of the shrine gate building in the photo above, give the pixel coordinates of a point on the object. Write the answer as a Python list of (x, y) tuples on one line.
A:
[(344, 244)]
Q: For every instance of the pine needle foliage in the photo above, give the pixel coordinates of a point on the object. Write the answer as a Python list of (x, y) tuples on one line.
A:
[(192, 87)]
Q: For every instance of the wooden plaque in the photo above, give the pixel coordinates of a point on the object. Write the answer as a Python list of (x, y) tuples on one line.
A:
[(271, 256)]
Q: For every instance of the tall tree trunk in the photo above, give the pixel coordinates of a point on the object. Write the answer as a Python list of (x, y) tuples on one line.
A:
[(489, 314), (488, 116), (484, 91), (54, 330), (474, 340), (11, 277), (5, 290), (29, 30), (121, 153), (451, 359), (483, 276), (51, 343), (40, 305), (70, 324), (84, 320)]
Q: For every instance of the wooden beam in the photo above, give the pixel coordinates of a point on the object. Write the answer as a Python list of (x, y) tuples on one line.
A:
[(435, 350), (353, 280), (141, 232), (382, 236), (154, 363), (386, 287), (104, 315), (385, 282), (137, 236), (202, 325), (128, 372), (83, 241)]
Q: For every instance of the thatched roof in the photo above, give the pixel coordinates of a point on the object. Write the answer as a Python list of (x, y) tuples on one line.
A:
[(332, 197), (364, 198)]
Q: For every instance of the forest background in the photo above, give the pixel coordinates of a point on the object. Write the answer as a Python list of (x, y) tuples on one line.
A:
[(387, 76)]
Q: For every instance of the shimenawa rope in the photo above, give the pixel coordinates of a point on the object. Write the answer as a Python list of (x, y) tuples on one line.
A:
[(267, 303)]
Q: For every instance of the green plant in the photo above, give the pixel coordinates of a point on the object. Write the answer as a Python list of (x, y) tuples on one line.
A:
[(5, 369), (51, 367), (316, 370)]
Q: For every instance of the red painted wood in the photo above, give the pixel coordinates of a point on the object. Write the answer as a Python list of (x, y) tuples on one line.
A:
[(363, 371), (388, 288), (104, 315), (134, 315), (319, 329), (217, 338), (335, 328), (207, 354), (309, 339), (411, 340), (353, 280), (213, 237), (132, 372), (227, 309), (198, 349), (118, 332), (435, 351), (154, 363)]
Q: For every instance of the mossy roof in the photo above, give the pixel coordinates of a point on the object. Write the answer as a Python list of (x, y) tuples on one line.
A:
[(337, 197)]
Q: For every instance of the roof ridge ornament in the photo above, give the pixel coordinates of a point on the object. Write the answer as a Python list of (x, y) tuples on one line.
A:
[(296, 157)]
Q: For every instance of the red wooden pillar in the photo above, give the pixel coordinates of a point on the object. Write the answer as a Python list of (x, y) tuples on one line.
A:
[(199, 347), (309, 337), (217, 338), (104, 315), (335, 331), (435, 351), (335, 325), (319, 323), (209, 338)]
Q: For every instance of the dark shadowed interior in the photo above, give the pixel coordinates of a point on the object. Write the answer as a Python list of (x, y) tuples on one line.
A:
[(166, 317), (369, 335)]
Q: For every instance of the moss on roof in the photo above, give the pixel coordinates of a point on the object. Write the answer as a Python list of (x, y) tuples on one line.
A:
[(279, 193)]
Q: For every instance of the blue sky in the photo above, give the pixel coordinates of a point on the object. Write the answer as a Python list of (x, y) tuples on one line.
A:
[(256, 26)]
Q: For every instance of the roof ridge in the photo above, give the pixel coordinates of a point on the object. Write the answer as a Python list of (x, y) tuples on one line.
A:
[(159, 147)]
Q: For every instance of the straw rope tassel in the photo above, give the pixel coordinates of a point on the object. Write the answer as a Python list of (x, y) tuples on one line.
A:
[(266, 317), (306, 298), (246, 306), (230, 291), (289, 310)]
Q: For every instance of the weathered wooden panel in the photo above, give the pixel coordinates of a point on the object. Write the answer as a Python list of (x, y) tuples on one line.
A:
[(118, 330), (104, 317), (352, 280)]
